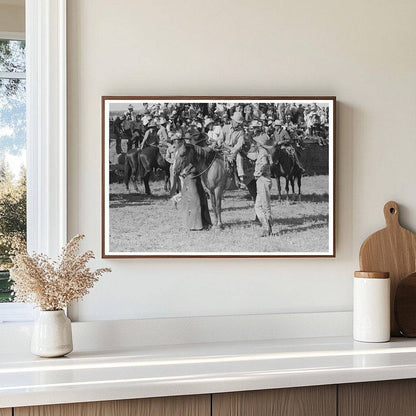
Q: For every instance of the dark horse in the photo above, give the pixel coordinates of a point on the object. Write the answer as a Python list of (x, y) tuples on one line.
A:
[(212, 167), (140, 164), (284, 165)]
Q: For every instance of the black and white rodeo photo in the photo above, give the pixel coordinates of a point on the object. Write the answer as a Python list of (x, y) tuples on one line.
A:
[(218, 176)]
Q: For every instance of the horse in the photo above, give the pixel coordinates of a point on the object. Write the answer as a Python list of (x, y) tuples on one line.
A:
[(212, 167), (296, 174), (139, 163), (284, 165)]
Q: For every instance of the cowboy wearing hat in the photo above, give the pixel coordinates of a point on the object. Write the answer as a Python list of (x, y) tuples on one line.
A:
[(288, 143), (280, 134), (130, 111), (137, 129), (214, 132), (162, 132), (174, 141), (117, 130), (248, 112), (238, 143), (150, 137), (126, 125), (262, 175)]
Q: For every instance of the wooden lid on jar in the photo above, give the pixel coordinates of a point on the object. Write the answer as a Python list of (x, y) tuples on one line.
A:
[(372, 275)]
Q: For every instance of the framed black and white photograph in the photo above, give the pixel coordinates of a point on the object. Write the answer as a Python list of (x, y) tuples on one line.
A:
[(218, 176)]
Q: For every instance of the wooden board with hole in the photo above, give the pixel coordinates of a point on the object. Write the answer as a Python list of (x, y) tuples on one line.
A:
[(393, 250)]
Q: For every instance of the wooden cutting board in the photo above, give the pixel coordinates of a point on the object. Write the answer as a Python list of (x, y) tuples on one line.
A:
[(393, 250)]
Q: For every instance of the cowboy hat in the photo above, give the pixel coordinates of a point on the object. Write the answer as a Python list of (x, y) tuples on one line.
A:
[(208, 121), (177, 136), (264, 141), (237, 117), (151, 124), (277, 122)]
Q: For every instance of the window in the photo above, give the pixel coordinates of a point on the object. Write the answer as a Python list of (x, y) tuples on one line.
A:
[(12, 154), (45, 90)]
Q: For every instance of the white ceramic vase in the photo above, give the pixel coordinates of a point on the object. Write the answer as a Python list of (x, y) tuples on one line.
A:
[(52, 334)]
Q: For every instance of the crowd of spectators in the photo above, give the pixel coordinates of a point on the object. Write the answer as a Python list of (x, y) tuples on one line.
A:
[(156, 123)]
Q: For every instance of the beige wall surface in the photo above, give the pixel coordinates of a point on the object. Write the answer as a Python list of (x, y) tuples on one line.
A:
[(12, 18), (363, 52)]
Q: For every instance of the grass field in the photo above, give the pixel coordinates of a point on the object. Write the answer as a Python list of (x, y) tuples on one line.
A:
[(141, 223)]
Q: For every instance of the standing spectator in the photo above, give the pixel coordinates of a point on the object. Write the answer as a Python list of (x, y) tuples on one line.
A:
[(146, 108), (281, 111), (256, 111), (130, 111), (126, 124), (117, 130), (301, 114), (248, 113), (220, 110), (293, 110), (262, 175), (230, 109)]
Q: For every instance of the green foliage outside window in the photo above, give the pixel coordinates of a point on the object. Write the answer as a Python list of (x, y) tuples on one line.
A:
[(12, 223), (12, 146)]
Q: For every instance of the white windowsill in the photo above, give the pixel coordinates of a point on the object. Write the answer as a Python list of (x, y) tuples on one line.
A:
[(16, 313)]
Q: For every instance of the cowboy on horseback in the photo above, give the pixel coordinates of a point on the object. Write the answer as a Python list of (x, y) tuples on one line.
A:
[(287, 142), (237, 143), (150, 138)]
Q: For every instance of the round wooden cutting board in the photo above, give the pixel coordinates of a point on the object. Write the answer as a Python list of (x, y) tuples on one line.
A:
[(393, 250)]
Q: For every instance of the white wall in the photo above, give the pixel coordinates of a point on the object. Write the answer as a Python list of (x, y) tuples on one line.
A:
[(361, 51), (12, 18)]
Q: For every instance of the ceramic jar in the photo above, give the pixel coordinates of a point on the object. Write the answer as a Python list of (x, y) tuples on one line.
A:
[(371, 312), (52, 334)]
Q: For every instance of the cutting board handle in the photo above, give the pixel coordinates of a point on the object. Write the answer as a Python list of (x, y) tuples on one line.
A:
[(391, 214)]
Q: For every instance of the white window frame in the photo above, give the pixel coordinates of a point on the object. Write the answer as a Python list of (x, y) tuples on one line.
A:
[(46, 127)]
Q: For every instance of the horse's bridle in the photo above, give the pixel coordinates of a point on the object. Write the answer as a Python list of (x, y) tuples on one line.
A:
[(205, 170)]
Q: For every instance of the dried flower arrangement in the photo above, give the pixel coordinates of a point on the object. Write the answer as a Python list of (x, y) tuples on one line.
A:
[(53, 285)]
